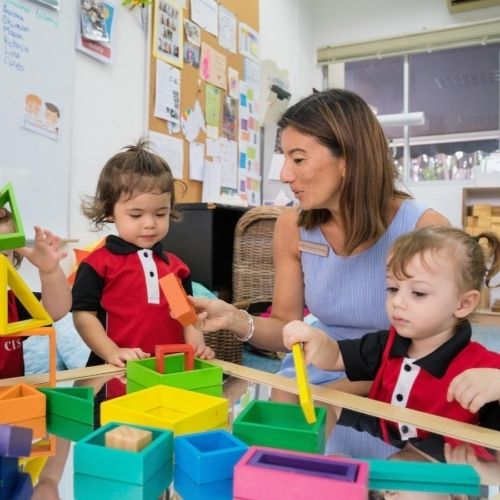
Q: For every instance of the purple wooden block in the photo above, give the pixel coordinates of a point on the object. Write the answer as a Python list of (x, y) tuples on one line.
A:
[(341, 471), (15, 441)]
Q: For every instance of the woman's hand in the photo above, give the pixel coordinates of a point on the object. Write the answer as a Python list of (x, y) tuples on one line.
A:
[(214, 314)]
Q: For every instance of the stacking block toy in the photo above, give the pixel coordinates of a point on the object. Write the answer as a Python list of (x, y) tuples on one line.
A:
[(128, 438), (14, 485), (424, 476), (16, 239), (70, 411), (161, 350), (266, 474), (168, 408), (103, 472), (21, 402), (15, 441), (204, 378), (189, 490), (207, 457), (305, 397), (280, 425), (178, 301), (75, 403), (9, 278), (67, 428)]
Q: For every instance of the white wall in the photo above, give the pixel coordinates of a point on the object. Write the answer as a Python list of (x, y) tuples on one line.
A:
[(338, 21)]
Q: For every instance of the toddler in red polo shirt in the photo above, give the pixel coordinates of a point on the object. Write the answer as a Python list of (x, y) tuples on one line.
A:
[(434, 276), (118, 307), (55, 296)]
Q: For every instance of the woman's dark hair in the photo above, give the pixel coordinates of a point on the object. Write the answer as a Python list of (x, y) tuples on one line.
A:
[(344, 123)]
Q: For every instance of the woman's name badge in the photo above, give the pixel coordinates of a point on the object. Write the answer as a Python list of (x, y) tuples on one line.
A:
[(315, 248)]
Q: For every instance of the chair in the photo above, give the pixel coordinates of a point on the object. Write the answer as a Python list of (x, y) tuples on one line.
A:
[(253, 263), (253, 274)]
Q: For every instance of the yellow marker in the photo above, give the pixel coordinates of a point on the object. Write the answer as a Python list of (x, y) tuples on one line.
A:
[(304, 390)]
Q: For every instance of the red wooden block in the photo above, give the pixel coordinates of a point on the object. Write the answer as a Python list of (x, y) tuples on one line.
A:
[(187, 349)]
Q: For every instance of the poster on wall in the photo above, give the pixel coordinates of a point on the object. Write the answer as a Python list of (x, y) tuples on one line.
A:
[(249, 42), (167, 32), (103, 49)]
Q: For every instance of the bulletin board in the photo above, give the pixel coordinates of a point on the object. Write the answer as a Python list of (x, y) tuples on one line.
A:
[(193, 87), (36, 75)]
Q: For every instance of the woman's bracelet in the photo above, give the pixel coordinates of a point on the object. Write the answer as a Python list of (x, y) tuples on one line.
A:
[(251, 327)]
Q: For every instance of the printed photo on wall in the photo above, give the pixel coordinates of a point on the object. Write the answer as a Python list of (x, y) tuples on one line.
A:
[(100, 50), (93, 15), (192, 55), (167, 36), (41, 116), (192, 32)]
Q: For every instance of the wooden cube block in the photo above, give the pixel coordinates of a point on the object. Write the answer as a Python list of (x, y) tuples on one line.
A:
[(481, 210), (128, 438)]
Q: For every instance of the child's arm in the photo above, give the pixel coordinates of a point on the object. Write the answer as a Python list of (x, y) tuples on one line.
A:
[(319, 349), (46, 255), (475, 387), (195, 337), (94, 335)]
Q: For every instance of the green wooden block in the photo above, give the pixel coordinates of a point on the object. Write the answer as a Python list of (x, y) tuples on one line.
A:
[(75, 403), (93, 458), (98, 488), (16, 239), (423, 476), (143, 372), (214, 390), (280, 425), (67, 428)]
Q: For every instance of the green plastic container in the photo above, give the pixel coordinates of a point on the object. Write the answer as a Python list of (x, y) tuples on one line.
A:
[(280, 425), (204, 378), (75, 403)]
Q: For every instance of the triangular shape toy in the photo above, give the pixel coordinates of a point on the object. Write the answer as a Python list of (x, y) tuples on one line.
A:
[(16, 239), (9, 278), (75, 403)]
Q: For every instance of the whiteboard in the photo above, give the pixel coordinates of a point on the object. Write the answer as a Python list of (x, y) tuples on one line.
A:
[(37, 47)]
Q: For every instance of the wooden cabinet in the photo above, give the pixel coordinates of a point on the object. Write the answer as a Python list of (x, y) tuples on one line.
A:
[(203, 239), (481, 209)]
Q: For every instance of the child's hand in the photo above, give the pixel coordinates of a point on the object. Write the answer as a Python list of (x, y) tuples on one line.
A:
[(121, 355), (202, 351), (475, 387), (45, 253), (312, 338)]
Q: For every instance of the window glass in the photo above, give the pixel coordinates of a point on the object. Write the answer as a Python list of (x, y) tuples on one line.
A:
[(380, 83), (457, 89)]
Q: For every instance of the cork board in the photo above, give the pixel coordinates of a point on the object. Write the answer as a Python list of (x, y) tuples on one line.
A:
[(193, 87)]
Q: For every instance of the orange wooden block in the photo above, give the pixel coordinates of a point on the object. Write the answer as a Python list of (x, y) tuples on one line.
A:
[(21, 402), (37, 425), (163, 349), (182, 310), (128, 438)]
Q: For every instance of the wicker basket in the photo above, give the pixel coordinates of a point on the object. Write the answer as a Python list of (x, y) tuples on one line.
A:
[(253, 263), (253, 274)]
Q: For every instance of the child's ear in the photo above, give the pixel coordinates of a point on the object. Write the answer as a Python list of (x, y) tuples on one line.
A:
[(468, 303)]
